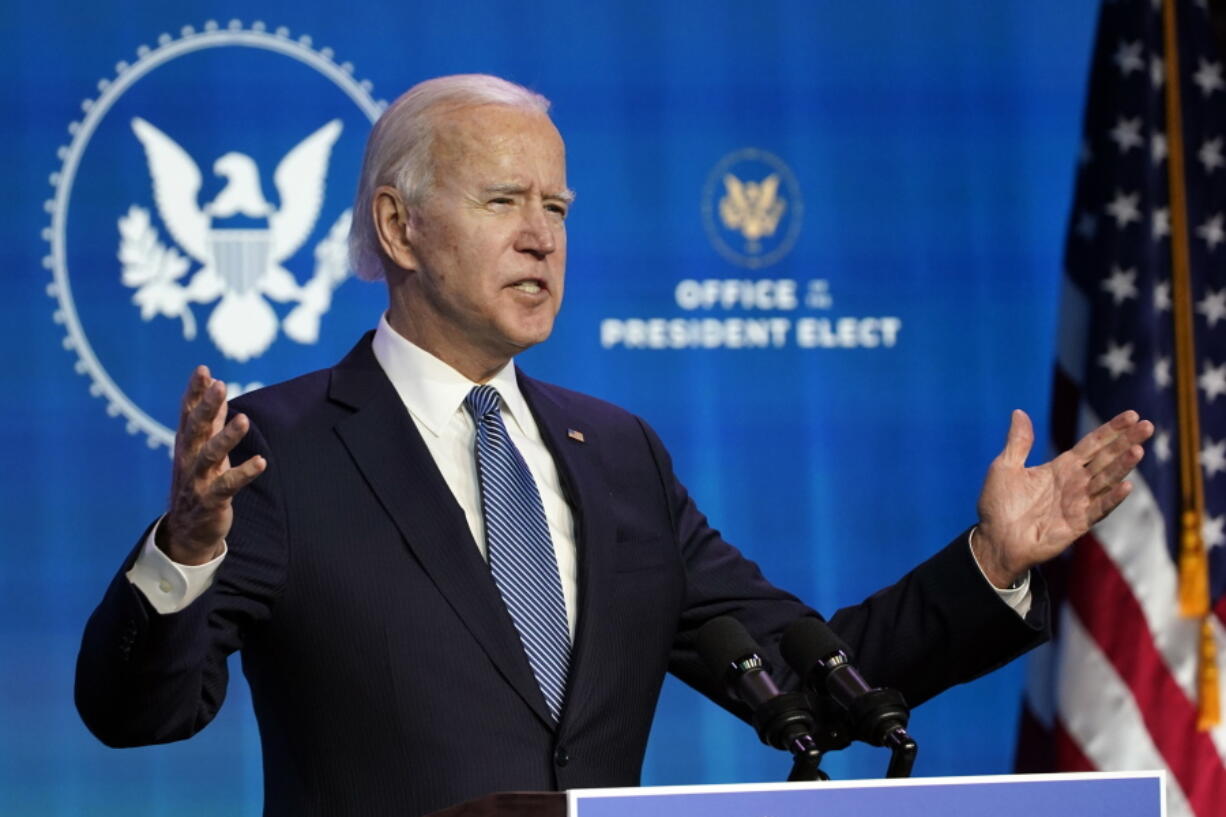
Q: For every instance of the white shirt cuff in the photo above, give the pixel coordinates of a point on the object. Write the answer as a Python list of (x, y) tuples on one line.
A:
[(168, 585), (1018, 598)]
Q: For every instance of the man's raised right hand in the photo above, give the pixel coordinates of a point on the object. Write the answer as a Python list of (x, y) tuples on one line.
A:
[(202, 482)]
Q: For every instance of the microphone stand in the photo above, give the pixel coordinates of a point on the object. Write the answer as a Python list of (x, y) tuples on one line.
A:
[(786, 722), (881, 716), (805, 764), (902, 753), (828, 730)]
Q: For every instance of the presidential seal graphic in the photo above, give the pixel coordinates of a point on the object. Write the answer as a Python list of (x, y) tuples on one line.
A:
[(751, 208), (201, 214)]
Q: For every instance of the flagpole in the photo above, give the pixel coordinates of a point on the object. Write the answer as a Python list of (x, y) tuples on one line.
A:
[(1193, 558)]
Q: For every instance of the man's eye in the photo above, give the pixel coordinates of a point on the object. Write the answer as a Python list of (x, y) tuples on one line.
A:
[(556, 209), (501, 200)]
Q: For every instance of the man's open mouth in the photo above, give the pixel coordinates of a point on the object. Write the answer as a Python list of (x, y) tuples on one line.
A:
[(529, 285)]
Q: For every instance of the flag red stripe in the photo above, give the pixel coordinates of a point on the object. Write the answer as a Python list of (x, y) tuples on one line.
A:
[(1068, 755), (1041, 750), (1065, 404), (1104, 603), (1034, 745)]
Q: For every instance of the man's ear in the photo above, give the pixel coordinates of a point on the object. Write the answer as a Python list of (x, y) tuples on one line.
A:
[(392, 225)]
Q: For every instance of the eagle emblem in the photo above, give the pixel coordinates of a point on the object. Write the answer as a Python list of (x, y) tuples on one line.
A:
[(752, 208), (239, 243)]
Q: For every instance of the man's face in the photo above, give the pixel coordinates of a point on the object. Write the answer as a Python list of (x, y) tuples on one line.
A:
[(488, 240)]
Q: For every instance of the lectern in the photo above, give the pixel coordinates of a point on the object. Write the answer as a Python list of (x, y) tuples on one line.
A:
[(1111, 794)]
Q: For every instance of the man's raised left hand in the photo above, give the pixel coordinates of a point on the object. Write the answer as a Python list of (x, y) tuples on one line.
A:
[(1030, 515)]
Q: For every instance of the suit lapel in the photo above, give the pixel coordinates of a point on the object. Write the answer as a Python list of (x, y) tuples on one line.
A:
[(392, 457), (578, 460)]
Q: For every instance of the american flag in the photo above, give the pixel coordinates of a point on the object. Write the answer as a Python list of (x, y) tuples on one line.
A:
[(1130, 680)]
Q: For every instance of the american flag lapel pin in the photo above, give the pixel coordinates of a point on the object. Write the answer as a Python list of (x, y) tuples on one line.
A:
[(577, 436)]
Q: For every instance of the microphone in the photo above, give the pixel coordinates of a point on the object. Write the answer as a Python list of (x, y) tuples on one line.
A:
[(782, 719), (879, 716)]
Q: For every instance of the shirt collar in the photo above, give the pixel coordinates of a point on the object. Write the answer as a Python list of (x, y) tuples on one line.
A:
[(432, 391)]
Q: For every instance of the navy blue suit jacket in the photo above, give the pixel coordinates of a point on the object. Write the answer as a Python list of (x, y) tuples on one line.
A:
[(386, 674)]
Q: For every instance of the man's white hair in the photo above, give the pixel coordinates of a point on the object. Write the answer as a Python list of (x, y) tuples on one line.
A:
[(398, 152)]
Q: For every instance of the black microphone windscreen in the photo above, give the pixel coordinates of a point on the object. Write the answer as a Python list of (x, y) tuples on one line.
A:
[(808, 641), (723, 640)]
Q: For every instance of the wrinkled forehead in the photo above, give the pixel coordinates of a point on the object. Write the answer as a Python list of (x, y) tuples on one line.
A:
[(488, 136)]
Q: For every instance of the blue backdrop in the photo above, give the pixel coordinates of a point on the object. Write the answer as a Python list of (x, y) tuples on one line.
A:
[(816, 245)]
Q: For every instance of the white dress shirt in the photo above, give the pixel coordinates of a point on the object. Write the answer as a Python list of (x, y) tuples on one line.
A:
[(433, 393)]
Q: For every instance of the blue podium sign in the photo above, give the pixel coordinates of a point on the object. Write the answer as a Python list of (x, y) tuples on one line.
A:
[(1130, 794)]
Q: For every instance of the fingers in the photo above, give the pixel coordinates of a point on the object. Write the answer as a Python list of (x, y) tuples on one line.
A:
[(1128, 422), (218, 447), (237, 478), (205, 418), (202, 480), (1115, 470), (218, 492), (1108, 502), (1118, 451), (1121, 442), (1019, 440), (196, 385), (205, 438)]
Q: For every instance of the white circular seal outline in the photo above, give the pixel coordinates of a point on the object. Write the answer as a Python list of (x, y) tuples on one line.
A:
[(168, 48), (795, 206)]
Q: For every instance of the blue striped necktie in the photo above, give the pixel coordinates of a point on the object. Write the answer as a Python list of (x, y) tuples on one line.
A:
[(519, 549)]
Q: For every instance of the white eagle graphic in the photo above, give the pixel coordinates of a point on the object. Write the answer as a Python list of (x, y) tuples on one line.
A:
[(239, 239)]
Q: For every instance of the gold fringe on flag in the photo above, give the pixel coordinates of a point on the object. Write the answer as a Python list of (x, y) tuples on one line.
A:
[(1193, 559), (1193, 565), (1209, 710)]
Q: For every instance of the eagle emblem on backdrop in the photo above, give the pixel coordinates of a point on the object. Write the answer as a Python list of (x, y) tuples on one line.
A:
[(752, 208), (201, 215), (233, 246)]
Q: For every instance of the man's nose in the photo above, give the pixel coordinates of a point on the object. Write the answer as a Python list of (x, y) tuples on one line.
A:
[(536, 236)]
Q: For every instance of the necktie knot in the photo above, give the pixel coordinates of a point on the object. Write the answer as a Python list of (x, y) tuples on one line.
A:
[(482, 401)]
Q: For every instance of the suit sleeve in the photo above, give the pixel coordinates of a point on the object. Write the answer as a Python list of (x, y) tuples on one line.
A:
[(145, 678), (941, 624)]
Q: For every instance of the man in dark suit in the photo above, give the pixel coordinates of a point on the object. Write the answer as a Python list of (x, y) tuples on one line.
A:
[(447, 578)]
